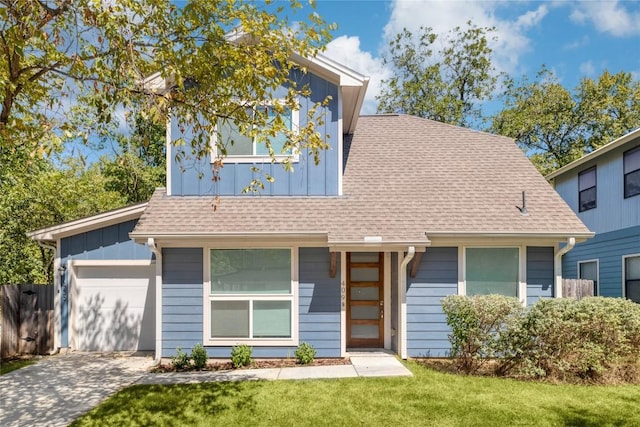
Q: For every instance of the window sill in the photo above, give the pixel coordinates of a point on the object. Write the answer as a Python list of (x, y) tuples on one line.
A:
[(264, 342), (258, 159)]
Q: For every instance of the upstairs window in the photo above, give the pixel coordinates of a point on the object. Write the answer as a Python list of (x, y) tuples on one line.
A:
[(240, 147), (587, 189), (632, 172)]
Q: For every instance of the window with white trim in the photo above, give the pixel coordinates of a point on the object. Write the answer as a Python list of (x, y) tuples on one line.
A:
[(587, 189), (632, 278), (588, 270), (632, 172), (492, 271), (237, 146), (251, 295)]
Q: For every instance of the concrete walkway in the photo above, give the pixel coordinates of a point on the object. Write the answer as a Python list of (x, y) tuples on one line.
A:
[(59, 389)]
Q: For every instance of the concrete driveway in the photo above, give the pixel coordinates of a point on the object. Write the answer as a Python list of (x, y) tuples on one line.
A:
[(58, 389)]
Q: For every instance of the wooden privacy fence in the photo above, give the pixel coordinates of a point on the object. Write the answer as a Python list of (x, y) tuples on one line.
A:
[(27, 319), (577, 288)]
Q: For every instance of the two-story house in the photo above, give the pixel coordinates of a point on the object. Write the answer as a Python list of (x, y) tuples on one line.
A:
[(603, 188), (354, 252)]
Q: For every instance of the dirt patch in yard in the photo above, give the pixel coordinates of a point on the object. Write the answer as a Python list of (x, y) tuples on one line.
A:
[(166, 366)]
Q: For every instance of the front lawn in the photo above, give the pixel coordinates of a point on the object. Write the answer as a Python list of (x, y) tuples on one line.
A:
[(429, 398), (7, 366)]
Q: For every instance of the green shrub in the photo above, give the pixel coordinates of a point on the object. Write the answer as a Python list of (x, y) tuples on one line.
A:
[(305, 353), (477, 324), (199, 356), (181, 360), (241, 355)]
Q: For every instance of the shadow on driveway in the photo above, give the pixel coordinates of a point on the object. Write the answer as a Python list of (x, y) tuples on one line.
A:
[(58, 389)]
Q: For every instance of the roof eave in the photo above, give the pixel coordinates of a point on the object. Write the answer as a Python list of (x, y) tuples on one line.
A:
[(89, 223), (595, 154)]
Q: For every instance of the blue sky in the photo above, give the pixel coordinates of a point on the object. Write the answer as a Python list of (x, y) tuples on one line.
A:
[(575, 39)]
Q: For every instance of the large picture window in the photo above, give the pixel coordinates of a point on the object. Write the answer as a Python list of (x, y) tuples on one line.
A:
[(251, 295), (492, 271), (632, 278), (238, 146), (587, 189), (632, 172)]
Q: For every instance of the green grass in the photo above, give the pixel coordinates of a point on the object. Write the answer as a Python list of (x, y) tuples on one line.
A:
[(12, 365), (429, 398)]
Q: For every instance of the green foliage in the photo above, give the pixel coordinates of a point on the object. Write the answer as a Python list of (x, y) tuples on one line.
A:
[(96, 56), (36, 193), (555, 125), (305, 353), (563, 338), (554, 338), (477, 324), (447, 84), (199, 356), (241, 355), (181, 361)]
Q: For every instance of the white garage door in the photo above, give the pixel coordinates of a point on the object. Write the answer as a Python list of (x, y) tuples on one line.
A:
[(113, 308)]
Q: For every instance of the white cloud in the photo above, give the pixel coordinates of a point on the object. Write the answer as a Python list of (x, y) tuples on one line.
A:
[(346, 50), (610, 17), (587, 69), (442, 16)]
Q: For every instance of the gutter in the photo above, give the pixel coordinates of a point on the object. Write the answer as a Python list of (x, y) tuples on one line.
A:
[(402, 307), (557, 265), (158, 300)]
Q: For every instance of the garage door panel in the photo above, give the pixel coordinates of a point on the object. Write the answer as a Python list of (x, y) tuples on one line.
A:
[(115, 308)]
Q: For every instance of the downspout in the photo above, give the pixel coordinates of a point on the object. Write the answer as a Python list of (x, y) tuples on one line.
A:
[(557, 265), (158, 303), (402, 294), (57, 279)]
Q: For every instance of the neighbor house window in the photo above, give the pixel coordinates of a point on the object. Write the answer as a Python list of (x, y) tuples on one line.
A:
[(587, 189), (251, 295), (237, 146), (588, 270), (492, 271), (632, 278), (632, 172)]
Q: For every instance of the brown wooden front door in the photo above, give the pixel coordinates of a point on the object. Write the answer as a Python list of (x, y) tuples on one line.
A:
[(365, 304)]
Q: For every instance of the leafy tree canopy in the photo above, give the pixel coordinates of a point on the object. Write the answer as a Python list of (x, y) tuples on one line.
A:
[(446, 84), (556, 126), (68, 65)]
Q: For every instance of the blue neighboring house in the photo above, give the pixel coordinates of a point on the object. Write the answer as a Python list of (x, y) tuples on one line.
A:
[(603, 188), (354, 252)]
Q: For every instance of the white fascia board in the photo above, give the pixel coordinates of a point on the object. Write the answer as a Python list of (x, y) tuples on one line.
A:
[(256, 240), (89, 223), (596, 153), (331, 70)]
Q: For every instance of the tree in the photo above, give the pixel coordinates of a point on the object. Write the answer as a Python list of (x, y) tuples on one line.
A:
[(95, 55), (447, 85), (36, 194), (139, 164), (555, 126)]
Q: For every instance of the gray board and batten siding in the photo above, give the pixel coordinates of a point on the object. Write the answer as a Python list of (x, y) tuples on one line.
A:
[(182, 302), (192, 176), (540, 274)]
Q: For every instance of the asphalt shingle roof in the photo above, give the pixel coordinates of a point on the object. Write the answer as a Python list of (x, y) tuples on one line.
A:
[(405, 178)]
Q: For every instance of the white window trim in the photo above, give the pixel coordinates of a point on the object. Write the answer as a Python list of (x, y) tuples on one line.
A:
[(256, 342), (521, 291), (597, 261), (294, 157), (624, 272)]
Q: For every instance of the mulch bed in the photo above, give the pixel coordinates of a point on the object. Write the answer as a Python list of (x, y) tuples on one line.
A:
[(258, 364)]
